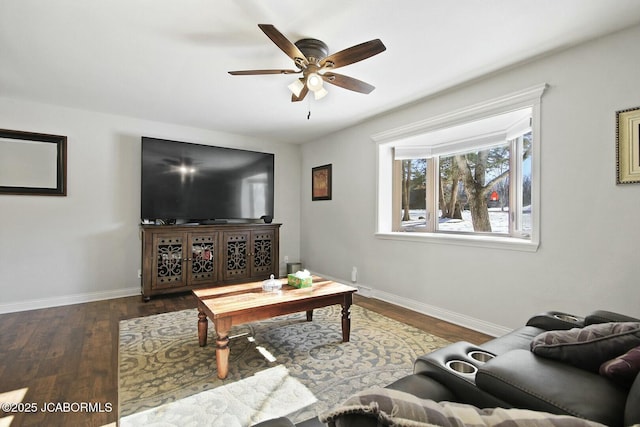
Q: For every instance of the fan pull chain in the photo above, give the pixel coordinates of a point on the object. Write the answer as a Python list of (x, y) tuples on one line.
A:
[(309, 108)]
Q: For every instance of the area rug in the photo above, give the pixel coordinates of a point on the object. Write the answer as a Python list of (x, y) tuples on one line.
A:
[(160, 361), (246, 402)]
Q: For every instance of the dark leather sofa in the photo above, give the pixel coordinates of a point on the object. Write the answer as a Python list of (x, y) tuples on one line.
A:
[(504, 372)]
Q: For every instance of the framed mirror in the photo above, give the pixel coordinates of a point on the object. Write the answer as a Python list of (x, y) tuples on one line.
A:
[(33, 163)]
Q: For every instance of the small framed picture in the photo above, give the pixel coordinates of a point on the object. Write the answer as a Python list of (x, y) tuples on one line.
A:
[(628, 146), (321, 183)]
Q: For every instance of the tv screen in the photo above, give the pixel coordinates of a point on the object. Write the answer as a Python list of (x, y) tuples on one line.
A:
[(192, 182)]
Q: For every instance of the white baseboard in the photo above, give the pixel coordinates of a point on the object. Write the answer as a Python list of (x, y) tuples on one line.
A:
[(35, 304), (366, 291), (449, 316)]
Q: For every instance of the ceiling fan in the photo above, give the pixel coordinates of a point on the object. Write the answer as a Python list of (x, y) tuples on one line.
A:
[(311, 58)]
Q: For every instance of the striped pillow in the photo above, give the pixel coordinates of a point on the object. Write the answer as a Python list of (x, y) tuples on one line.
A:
[(390, 407), (588, 347), (623, 369)]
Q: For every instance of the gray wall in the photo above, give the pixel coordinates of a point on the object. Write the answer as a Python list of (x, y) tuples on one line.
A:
[(587, 258), (61, 250)]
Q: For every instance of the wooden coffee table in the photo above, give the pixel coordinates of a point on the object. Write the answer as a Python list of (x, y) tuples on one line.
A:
[(231, 305)]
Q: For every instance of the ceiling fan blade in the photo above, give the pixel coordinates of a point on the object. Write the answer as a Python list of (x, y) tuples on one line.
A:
[(303, 93), (254, 72), (354, 54), (284, 44), (347, 82)]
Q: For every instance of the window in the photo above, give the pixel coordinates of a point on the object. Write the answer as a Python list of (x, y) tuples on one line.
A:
[(473, 190), (470, 177)]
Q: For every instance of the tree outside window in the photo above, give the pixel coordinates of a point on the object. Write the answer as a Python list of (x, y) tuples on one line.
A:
[(473, 190)]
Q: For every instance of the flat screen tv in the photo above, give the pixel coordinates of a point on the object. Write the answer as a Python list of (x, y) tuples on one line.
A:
[(186, 182)]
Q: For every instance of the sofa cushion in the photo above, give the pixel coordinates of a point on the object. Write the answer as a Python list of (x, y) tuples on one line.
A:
[(623, 369), (531, 382), (588, 347), (386, 407)]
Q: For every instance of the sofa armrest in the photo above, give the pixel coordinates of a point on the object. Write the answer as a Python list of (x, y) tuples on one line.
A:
[(518, 338), (603, 316), (423, 387), (442, 366), (531, 382), (556, 320), (286, 422)]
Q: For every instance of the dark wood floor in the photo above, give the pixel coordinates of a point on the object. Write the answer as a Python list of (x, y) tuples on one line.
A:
[(70, 354)]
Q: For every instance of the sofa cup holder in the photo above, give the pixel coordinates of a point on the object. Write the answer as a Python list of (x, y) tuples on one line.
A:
[(566, 317), (480, 356), (461, 367)]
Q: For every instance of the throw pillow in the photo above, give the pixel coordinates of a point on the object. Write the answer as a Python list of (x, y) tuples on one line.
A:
[(588, 347), (389, 407), (623, 369)]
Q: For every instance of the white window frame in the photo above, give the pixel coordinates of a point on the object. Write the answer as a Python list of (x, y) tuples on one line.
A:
[(387, 141)]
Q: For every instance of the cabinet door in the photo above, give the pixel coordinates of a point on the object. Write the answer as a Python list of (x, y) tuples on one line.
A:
[(168, 261), (263, 258), (236, 246), (203, 254)]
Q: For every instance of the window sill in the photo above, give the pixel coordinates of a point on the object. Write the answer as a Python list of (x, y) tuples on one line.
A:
[(492, 242)]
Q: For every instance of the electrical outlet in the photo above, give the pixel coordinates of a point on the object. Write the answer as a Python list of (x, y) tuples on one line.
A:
[(286, 259), (139, 274)]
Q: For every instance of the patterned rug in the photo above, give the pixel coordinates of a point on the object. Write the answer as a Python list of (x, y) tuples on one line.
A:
[(263, 396), (160, 360)]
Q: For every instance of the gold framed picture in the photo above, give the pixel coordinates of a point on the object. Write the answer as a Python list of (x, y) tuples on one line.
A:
[(321, 183), (628, 146)]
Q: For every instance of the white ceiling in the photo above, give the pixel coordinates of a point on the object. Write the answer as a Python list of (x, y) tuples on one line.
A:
[(167, 60)]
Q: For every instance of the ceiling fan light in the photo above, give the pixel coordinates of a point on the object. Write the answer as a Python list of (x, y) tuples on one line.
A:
[(314, 82), (320, 93), (296, 87)]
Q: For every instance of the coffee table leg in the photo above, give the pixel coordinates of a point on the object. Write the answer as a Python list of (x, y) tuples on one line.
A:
[(222, 347), (202, 328), (346, 318), (309, 315)]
